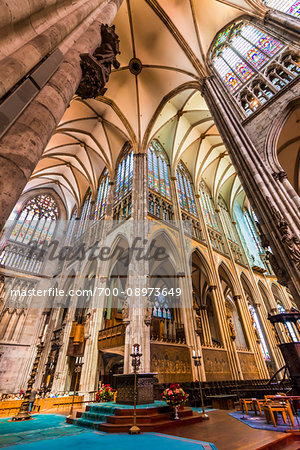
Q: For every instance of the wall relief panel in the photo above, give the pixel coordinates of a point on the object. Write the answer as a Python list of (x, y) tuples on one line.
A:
[(171, 362), (248, 366), (216, 365)]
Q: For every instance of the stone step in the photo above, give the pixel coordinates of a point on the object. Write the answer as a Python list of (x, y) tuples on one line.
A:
[(148, 419), (159, 425)]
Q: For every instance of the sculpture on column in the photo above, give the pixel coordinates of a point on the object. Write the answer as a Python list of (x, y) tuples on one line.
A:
[(96, 68), (290, 241), (125, 311), (281, 274), (230, 324), (148, 315)]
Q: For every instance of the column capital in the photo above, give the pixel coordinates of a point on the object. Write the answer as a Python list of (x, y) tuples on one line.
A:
[(203, 307), (237, 297), (203, 82), (173, 178), (212, 287)]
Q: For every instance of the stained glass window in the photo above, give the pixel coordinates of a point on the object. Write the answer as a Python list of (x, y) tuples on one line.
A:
[(161, 308), (124, 173), (185, 190), (158, 172), (263, 344), (71, 227), (103, 190), (230, 229), (85, 214), (37, 221), (240, 52), (290, 7), (252, 230), (208, 207)]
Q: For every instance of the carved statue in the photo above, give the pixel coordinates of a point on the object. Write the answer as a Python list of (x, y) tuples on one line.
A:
[(96, 68), (231, 330), (230, 324), (280, 273), (148, 316), (290, 241), (264, 240), (125, 311)]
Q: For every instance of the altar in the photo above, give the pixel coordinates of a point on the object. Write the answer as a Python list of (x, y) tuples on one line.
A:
[(125, 388)]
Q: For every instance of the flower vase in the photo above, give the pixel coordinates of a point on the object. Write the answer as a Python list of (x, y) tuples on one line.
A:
[(176, 416)]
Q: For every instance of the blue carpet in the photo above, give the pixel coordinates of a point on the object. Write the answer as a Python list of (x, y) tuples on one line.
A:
[(260, 422), (49, 432), (43, 426)]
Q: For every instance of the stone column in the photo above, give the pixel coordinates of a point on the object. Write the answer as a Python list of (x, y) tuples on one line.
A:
[(186, 298), (219, 302), (22, 146), (275, 213), (138, 329)]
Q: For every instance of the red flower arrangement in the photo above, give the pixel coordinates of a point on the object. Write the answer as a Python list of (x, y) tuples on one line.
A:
[(105, 394), (174, 395)]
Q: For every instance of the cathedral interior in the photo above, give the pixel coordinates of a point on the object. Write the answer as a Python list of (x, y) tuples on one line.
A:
[(149, 194)]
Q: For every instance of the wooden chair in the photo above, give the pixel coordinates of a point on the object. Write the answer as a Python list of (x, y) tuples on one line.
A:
[(245, 402), (258, 405), (273, 397), (271, 410)]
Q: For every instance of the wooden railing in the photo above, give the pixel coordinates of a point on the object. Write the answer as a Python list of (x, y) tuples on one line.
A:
[(111, 337), (10, 407)]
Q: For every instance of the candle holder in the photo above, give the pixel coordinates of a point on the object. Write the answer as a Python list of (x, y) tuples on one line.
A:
[(23, 413), (77, 370), (136, 362), (197, 363)]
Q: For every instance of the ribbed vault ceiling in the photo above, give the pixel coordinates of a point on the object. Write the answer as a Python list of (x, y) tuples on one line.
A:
[(171, 39)]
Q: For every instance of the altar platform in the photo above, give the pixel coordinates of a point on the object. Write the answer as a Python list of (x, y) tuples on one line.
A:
[(118, 418)]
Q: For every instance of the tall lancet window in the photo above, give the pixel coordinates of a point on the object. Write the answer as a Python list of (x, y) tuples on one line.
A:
[(124, 173), (252, 230), (290, 7), (259, 333), (103, 190), (37, 221), (252, 64), (71, 227), (208, 207), (124, 178), (230, 229), (85, 214), (185, 189), (158, 171)]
